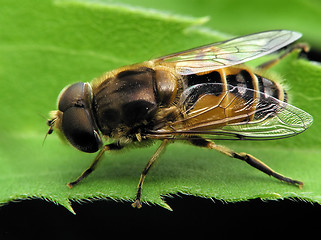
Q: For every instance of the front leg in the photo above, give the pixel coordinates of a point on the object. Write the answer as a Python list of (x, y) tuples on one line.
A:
[(93, 165)]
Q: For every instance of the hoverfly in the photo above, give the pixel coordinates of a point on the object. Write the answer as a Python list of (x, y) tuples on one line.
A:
[(197, 96)]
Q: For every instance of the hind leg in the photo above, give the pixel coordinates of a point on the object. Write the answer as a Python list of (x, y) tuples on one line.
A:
[(300, 46), (249, 159)]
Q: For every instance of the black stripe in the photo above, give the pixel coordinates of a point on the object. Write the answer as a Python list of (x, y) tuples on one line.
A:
[(269, 91), (243, 83), (270, 88), (260, 83), (212, 77), (216, 88), (203, 89)]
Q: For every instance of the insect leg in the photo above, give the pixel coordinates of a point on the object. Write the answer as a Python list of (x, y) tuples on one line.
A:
[(249, 159), (300, 46), (94, 164), (137, 203)]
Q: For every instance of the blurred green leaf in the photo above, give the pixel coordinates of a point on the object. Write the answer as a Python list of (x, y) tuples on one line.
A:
[(45, 45), (244, 17)]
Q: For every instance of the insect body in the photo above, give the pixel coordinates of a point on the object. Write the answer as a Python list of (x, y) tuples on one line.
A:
[(198, 96)]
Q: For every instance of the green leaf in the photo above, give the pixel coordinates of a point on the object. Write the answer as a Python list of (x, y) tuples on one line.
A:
[(45, 45), (244, 17)]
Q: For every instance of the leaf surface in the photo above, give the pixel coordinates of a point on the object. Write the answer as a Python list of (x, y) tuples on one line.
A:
[(45, 45)]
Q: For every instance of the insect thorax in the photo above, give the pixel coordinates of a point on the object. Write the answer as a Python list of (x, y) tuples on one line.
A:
[(127, 102)]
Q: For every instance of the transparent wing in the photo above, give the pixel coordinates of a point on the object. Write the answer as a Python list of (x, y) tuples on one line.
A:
[(231, 52), (234, 113)]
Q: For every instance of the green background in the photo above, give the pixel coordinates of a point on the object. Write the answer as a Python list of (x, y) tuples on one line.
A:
[(45, 45)]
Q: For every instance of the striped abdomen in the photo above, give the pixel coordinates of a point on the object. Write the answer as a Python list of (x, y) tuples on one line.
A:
[(230, 95), (240, 77)]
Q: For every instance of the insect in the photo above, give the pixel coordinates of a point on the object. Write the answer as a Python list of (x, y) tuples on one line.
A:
[(197, 96)]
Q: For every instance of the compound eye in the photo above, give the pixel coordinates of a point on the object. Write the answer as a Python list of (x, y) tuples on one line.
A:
[(77, 94), (78, 128)]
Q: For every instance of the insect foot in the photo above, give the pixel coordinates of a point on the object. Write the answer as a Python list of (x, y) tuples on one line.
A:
[(137, 204)]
